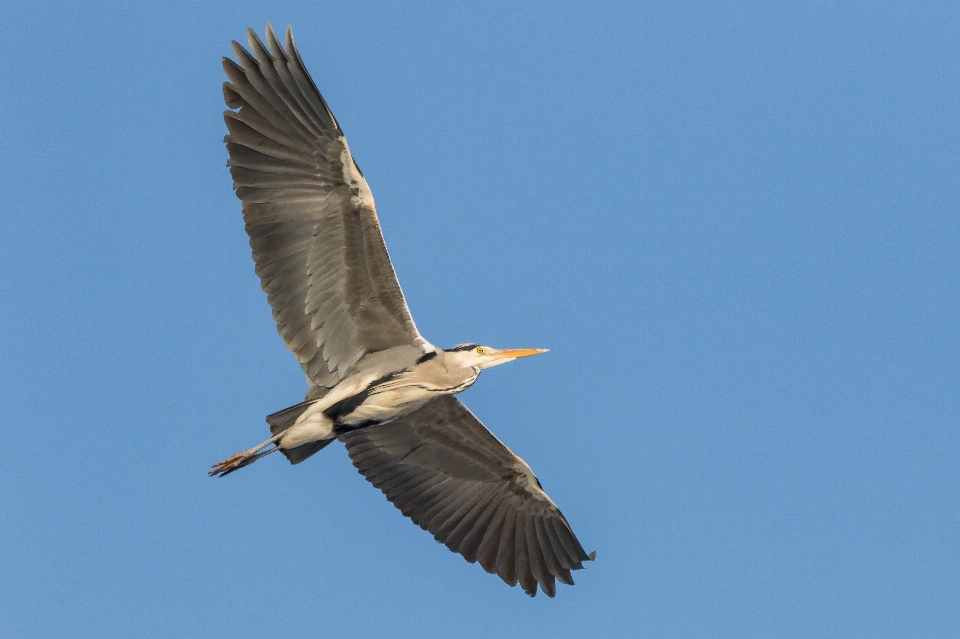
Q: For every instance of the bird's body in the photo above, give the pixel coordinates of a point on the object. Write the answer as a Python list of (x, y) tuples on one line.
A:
[(366, 399), (374, 382)]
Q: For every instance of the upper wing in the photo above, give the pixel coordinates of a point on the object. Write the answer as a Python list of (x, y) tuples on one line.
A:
[(310, 215), (449, 474)]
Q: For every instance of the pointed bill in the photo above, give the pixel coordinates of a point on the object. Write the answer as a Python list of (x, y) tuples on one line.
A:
[(514, 353)]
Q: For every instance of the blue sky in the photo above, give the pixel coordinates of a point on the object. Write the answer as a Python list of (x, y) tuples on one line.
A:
[(735, 226)]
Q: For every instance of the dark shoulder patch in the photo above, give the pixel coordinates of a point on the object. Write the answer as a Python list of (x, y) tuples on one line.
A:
[(346, 406), (426, 357)]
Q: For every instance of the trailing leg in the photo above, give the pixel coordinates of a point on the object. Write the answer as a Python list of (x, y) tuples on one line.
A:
[(247, 457)]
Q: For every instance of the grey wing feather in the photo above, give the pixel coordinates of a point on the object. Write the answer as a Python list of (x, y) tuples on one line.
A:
[(311, 217), (442, 468)]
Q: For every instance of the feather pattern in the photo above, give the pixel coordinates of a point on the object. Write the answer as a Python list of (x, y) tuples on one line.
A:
[(310, 216), (442, 468), (322, 261)]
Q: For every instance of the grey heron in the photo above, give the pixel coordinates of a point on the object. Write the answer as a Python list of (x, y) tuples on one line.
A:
[(374, 382)]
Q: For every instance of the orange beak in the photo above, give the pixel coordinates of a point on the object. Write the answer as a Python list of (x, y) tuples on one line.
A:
[(514, 353)]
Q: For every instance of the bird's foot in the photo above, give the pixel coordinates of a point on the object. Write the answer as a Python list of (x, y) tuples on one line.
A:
[(247, 457), (232, 463)]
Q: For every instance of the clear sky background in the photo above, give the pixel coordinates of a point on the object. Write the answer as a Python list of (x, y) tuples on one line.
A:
[(735, 226)]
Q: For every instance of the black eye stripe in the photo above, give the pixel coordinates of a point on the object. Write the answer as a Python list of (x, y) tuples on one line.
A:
[(462, 347)]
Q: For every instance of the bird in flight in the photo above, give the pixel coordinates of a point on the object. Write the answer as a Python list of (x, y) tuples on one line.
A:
[(375, 383)]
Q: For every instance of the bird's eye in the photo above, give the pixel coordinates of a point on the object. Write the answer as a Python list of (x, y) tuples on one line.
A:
[(479, 350)]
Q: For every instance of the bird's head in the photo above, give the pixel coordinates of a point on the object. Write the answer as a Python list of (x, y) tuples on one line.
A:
[(477, 356)]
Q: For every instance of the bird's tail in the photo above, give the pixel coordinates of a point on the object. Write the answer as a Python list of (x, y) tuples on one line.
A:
[(297, 454), (284, 419)]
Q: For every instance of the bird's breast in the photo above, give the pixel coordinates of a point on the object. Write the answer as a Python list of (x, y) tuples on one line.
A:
[(397, 395), (387, 405)]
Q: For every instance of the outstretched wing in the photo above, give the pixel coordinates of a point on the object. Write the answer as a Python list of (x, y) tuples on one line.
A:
[(449, 474), (310, 215)]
